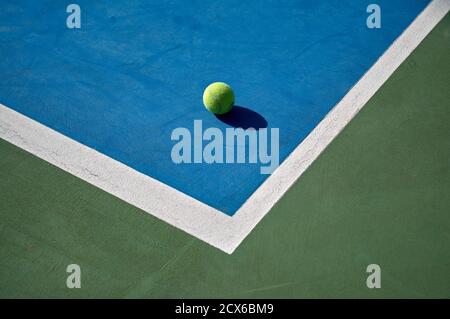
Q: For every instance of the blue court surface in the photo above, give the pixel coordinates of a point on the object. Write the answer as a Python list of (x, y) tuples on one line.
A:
[(136, 70)]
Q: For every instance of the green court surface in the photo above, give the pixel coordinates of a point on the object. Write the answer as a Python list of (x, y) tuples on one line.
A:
[(379, 194)]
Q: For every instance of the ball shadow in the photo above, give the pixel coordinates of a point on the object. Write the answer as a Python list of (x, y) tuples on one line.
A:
[(243, 117)]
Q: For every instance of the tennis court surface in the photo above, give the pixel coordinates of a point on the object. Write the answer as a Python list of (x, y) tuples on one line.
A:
[(87, 175)]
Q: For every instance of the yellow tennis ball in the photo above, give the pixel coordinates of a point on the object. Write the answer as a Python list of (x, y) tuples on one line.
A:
[(218, 98)]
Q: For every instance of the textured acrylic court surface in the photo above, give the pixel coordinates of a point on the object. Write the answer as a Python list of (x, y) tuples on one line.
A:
[(378, 194), (136, 70)]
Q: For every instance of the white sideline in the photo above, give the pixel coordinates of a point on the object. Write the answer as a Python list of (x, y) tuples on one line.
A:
[(185, 212)]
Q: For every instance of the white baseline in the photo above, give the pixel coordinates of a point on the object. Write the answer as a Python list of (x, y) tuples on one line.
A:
[(185, 212)]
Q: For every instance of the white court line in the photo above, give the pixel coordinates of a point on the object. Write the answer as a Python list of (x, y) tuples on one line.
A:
[(185, 212)]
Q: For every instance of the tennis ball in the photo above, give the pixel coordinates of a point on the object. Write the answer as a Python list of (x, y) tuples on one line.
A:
[(218, 98)]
